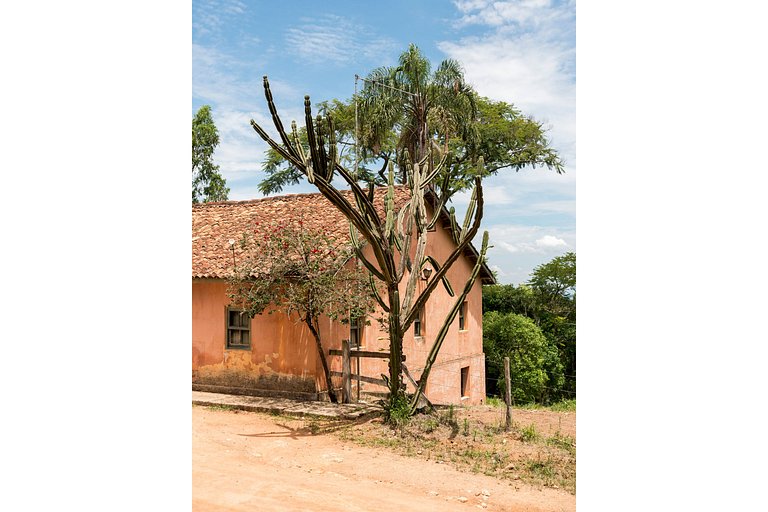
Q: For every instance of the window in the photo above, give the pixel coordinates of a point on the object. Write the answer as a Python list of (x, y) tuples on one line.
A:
[(463, 316), (355, 332), (465, 382), (418, 324), (238, 329)]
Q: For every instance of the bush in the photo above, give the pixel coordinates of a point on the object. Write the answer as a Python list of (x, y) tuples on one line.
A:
[(533, 360)]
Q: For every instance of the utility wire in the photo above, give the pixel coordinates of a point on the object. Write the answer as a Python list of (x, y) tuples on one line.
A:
[(376, 82)]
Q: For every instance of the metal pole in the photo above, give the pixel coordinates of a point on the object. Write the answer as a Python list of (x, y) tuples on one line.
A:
[(356, 126)]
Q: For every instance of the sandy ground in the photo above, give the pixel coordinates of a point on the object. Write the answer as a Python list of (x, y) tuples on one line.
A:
[(251, 461)]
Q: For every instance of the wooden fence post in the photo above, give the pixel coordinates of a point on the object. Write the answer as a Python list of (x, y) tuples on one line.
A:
[(508, 394), (346, 380)]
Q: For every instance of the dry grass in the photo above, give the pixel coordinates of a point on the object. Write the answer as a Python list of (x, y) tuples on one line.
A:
[(474, 439)]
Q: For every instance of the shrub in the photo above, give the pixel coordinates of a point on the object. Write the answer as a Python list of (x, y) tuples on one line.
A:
[(534, 362)]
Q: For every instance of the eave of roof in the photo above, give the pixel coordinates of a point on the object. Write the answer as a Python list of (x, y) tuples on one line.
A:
[(215, 264)]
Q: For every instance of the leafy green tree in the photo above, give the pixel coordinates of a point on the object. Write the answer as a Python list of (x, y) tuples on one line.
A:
[(306, 274), (549, 300), (406, 109), (535, 368), (207, 183), (506, 298), (505, 139), (556, 279), (555, 285)]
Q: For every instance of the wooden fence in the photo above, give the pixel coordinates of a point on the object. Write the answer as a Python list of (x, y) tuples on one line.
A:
[(347, 354)]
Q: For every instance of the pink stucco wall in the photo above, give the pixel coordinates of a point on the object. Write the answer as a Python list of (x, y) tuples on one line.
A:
[(283, 353), (461, 348)]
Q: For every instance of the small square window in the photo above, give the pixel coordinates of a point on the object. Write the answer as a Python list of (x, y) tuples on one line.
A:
[(238, 329)]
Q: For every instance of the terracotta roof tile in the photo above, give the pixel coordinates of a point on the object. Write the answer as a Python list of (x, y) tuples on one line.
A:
[(214, 224)]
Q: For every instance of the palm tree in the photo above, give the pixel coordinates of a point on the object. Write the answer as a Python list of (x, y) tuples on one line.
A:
[(418, 105), (406, 110)]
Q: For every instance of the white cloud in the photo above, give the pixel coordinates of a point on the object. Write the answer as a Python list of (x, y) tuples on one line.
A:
[(499, 271), (518, 249), (236, 96), (493, 194), (498, 13), (527, 59), (333, 38), (210, 17), (548, 241), (567, 206), (518, 238)]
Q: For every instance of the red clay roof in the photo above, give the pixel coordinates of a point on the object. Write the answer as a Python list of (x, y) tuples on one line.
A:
[(214, 224)]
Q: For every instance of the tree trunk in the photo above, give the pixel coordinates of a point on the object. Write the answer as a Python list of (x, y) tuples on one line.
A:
[(323, 360), (395, 345)]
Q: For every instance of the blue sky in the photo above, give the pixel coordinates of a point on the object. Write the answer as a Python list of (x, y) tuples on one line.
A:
[(671, 208), (521, 52)]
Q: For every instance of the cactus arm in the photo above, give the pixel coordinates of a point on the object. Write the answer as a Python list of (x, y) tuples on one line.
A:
[(432, 356), (432, 283)]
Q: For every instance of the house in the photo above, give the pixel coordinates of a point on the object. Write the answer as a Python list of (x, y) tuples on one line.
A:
[(274, 355)]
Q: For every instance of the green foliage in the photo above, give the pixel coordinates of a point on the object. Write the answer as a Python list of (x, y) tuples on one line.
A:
[(406, 108), (494, 401), (507, 138), (303, 273), (556, 280), (534, 362), (564, 405), (281, 174), (397, 410), (549, 299), (510, 299), (528, 434), (207, 183), (562, 441)]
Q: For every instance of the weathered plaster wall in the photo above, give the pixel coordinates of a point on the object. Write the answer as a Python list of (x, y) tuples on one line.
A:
[(283, 353), (282, 356), (461, 348)]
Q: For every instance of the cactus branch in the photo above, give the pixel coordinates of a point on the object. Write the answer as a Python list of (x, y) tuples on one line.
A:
[(448, 321)]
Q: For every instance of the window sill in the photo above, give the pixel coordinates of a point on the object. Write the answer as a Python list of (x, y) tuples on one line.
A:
[(237, 348)]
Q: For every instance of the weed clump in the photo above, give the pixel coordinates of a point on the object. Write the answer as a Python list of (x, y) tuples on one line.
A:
[(397, 412)]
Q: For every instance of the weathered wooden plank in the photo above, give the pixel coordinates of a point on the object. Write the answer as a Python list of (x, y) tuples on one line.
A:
[(369, 380), (346, 381), (507, 395), (361, 353)]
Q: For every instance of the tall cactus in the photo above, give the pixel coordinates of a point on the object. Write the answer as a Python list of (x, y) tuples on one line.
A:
[(391, 235)]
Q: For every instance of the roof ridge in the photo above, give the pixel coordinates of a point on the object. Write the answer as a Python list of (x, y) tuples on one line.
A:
[(272, 198)]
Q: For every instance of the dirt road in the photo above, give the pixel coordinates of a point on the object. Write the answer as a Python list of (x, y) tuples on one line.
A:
[(250, 461)]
